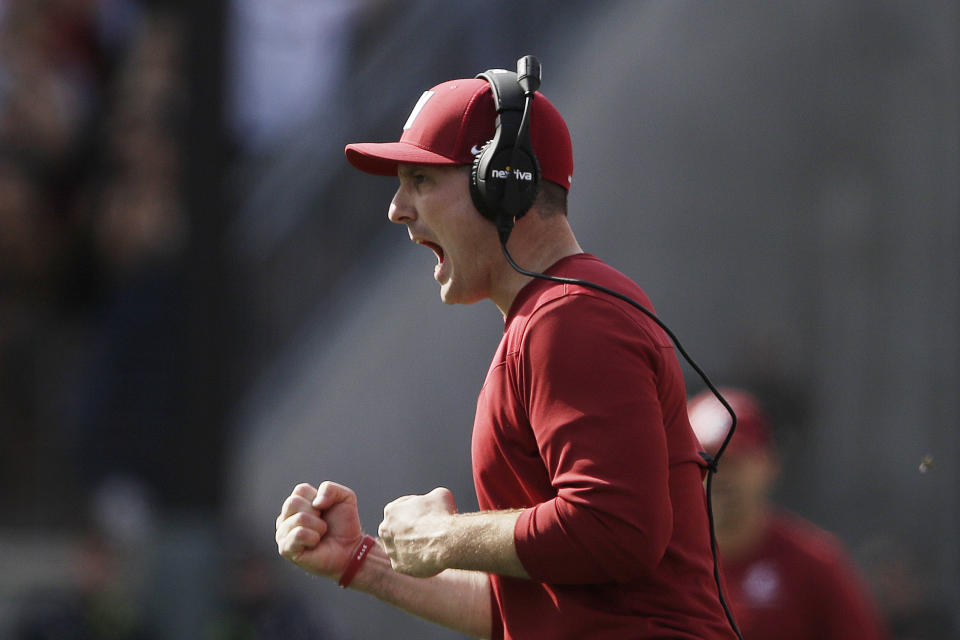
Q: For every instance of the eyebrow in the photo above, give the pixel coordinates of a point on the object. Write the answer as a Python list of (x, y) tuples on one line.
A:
[(407, 169)]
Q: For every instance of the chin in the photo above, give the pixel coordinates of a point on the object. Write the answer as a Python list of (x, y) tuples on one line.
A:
[(452, 300), (451, 297), (447, 297)]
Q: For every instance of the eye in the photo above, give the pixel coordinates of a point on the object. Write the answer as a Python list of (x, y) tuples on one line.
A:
[(414, 177)]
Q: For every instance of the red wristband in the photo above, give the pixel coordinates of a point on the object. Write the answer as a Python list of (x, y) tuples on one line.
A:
[(359, 555)]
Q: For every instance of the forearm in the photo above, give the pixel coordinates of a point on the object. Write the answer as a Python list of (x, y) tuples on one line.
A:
[(435, 563), (456, 599), (483, 541), (434, 541)]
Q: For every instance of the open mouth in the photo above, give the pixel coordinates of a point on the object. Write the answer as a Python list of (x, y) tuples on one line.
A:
[(437, 249)]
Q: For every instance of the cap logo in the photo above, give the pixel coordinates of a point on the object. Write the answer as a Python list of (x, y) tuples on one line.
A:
[(417, 108), (710, 422)]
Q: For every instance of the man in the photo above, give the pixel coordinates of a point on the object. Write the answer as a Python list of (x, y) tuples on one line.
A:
[(593, 521), (786, 579)]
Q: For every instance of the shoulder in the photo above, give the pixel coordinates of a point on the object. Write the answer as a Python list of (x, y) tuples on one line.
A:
[(811, 545), (588, 267), (580, 306)]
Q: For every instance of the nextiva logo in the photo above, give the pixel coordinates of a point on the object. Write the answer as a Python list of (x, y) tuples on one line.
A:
[(519, 175)]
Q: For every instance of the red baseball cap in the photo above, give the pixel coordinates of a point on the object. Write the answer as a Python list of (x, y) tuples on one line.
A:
[(452, 121), (711, 421)]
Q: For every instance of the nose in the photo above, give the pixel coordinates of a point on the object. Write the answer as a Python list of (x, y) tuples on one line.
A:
[(401, 211)]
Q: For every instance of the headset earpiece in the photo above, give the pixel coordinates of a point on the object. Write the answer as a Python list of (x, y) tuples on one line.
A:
[(505, 176), (492, 169)]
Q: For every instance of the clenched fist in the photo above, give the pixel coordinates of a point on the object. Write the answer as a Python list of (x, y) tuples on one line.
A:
[(318, 529), (413, 530)]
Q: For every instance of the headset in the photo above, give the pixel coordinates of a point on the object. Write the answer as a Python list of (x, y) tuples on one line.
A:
[(504, 182), (505, 177)]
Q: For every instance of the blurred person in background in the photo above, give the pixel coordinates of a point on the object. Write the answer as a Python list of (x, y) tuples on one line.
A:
[(91, 235), (130, 395), (47, 86), (103, 601), (26, 258), (65, 67), (786, 579), (255, 605)]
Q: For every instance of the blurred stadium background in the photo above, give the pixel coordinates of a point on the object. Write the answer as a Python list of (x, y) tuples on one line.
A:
[(201, 303)]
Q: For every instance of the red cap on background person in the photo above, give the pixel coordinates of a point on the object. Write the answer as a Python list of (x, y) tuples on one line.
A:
[(452, 121), (711, 422)]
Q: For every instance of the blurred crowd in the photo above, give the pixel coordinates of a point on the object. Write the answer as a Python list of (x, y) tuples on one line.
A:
[(91, 96), (93, 231)]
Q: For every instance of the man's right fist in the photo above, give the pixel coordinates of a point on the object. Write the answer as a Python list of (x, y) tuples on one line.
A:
[(318, 528)]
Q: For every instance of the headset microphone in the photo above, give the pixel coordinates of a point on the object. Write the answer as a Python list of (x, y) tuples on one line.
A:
[(528, 77), (502, 193), (528, 74)]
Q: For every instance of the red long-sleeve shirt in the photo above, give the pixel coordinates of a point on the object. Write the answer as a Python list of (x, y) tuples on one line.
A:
[(799, 583), (582, 422)]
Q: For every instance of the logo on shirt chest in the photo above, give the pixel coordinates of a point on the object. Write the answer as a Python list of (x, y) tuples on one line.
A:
[(761, 584)]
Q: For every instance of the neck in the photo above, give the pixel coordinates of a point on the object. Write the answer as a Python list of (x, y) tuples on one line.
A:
[(535, 245), (738, 538)]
